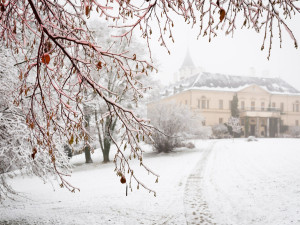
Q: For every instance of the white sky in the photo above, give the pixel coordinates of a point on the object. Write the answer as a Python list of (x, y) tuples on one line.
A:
[(236, 56)]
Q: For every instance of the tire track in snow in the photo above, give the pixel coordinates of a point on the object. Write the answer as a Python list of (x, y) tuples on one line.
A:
[(196, 208)]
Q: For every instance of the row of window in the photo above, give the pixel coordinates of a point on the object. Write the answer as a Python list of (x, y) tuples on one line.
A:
[(204, 104), (263, 106), (273, 106), (221, 121)]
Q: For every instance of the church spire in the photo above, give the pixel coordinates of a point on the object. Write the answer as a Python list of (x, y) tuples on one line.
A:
[(188, 62)]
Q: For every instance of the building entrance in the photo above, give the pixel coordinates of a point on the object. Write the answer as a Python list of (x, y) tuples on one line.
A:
[(252, 130), (273, 127)]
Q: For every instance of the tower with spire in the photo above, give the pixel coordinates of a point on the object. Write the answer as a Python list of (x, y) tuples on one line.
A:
[(187, 68)]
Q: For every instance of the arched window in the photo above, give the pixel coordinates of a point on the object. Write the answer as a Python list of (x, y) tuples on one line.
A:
[(203, 103)]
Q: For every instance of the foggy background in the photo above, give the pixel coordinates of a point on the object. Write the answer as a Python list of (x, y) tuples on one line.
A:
[(238, 55)]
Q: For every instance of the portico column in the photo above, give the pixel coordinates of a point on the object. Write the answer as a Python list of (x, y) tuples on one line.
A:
[(268, 127), (278, 127), (257, 126)]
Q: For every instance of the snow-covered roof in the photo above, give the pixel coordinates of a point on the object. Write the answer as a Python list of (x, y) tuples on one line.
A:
[(221, 82)]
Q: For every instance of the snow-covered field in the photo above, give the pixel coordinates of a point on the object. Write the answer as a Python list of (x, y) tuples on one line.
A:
[(254, 182), (218, 182)]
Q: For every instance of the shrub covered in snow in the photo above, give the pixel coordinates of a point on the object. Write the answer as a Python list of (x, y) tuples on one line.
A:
[(234, 126), (174, 123), (220, 131), (189, 145), (294, 131), (204, 132), (251, 138)]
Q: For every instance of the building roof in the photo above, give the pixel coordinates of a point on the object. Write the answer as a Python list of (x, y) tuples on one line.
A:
[(187, 62), (221, 82)]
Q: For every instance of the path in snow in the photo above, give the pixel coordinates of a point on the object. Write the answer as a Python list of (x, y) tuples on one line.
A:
[(246, 183), (196, 208)]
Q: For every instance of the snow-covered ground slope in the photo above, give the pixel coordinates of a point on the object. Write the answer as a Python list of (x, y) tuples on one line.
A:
[(247, 183), (220, 182), (102, 198)]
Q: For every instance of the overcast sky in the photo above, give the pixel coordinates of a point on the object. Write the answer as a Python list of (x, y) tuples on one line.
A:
[(240, 55)]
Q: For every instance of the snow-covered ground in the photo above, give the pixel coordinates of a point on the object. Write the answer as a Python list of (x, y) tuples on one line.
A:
[(254, 182), (219, 182), (102, 198)]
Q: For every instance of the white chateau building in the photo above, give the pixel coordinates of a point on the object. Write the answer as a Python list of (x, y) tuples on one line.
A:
[(267, 106)]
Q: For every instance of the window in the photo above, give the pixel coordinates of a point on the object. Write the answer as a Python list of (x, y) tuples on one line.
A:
[(297, 122), (242, 122), (262, 106), (203, 123), (220, 120), (229, 105), (273, 105), (199, 103), (281, 106), (252, 105), (242, 105), (220, 104), (296, 107), (203, 104), (207, 106), (186, 102)]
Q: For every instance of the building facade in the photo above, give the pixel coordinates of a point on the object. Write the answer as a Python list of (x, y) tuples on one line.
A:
[(267, 106)]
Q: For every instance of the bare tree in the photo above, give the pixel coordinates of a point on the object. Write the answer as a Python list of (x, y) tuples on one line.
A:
[(109, 79), (55, 71), (174, 123), (58, 53)]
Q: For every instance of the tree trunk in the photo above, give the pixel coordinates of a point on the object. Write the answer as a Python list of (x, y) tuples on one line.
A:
[(106, 150), (87, 148), (87, 152), (105, 143)]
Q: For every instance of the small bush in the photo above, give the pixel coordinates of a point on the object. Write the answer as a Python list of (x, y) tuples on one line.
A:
[(190, 145), (294, 131), (204, 132), (164, 143), (175, 123), (251, 138), (220, 131)]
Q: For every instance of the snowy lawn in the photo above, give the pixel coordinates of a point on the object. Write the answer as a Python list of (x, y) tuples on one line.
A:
[(102, 197), (219, 182), (253, 182)]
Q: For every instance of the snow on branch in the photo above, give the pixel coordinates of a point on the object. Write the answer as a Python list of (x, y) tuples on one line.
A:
[(56, 55), (209, 17)]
